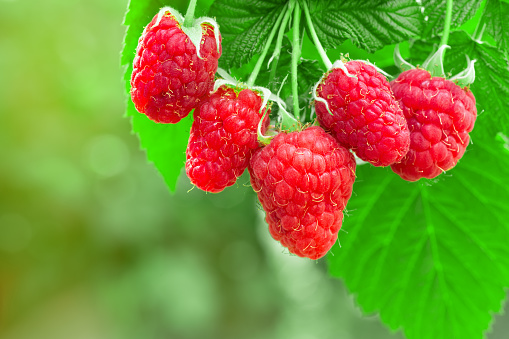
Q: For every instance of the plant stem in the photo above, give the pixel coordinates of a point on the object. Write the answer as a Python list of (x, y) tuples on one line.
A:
[(256, 70), (189, 20), (279, 41), (481, 25), (295, 60), (316, 41), (447, 23)]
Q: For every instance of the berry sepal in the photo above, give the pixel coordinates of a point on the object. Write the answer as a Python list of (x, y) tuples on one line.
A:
[(434, 64), (195, 31), (467, 76), (337, 64)]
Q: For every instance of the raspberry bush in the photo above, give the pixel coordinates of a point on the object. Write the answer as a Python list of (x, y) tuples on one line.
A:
[(304, 85)]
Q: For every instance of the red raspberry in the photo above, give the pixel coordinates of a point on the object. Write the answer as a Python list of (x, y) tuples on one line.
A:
[(365, 116), (303, 180), (440, 114), (223, 137), (169, 79)]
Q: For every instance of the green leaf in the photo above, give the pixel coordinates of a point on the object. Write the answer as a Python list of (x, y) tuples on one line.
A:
[(491, 86), (309, 73), (432, 257), (434, 11), (245, 27), (496, 16), (369, 24), (165, 144)]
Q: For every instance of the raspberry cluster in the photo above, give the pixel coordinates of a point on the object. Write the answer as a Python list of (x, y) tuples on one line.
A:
[(417, 124)]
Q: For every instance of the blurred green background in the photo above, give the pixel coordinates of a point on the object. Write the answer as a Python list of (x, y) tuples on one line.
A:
[(92, 245)]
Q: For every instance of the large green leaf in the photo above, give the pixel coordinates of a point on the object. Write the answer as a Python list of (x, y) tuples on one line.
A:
[(496, 15), (369, 24), (434, 11), (432, 257), (165, 144), (245, 27)]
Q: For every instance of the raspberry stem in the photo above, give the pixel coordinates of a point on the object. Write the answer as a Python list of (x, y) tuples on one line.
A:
[(279, 42), (252, 78), (189, 20), (447, 23), (295, 60), (481, 25), (316, 41)]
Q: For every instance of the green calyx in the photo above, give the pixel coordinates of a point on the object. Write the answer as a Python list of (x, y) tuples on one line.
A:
[(434, 64), (193, 30)]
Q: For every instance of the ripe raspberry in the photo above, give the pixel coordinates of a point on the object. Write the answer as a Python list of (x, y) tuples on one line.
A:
[(440, 114), (169, 79), (223, 137), (365, 116), (303, 180)]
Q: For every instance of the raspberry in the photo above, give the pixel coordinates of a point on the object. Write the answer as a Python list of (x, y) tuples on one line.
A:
[(223, 137), (169, 79), (303, 180), (440, 114), (365, 116)]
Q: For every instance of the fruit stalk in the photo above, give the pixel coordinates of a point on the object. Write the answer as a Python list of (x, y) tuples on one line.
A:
[(189, 20), (295, 60), (447, 23), (279, 42), (316, 41), (252, 78)]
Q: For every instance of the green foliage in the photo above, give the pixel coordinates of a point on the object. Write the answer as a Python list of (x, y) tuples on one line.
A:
[(434, 10), (431, 257), (369, 24), (309, 72), (496, 16), (245, 26)]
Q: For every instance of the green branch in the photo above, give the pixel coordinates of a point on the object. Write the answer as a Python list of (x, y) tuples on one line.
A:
[(316, 41), (279, 41), (189, 20), (295, 60), (447, 23), (256, 70)]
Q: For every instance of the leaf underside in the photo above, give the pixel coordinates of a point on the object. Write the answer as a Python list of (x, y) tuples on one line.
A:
[(432, 256)]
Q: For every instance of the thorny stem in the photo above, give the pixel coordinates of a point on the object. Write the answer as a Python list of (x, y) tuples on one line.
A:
[(295, 59), (252, 78), (316, 41), (189, 20), (447, 23), (279, 41)]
